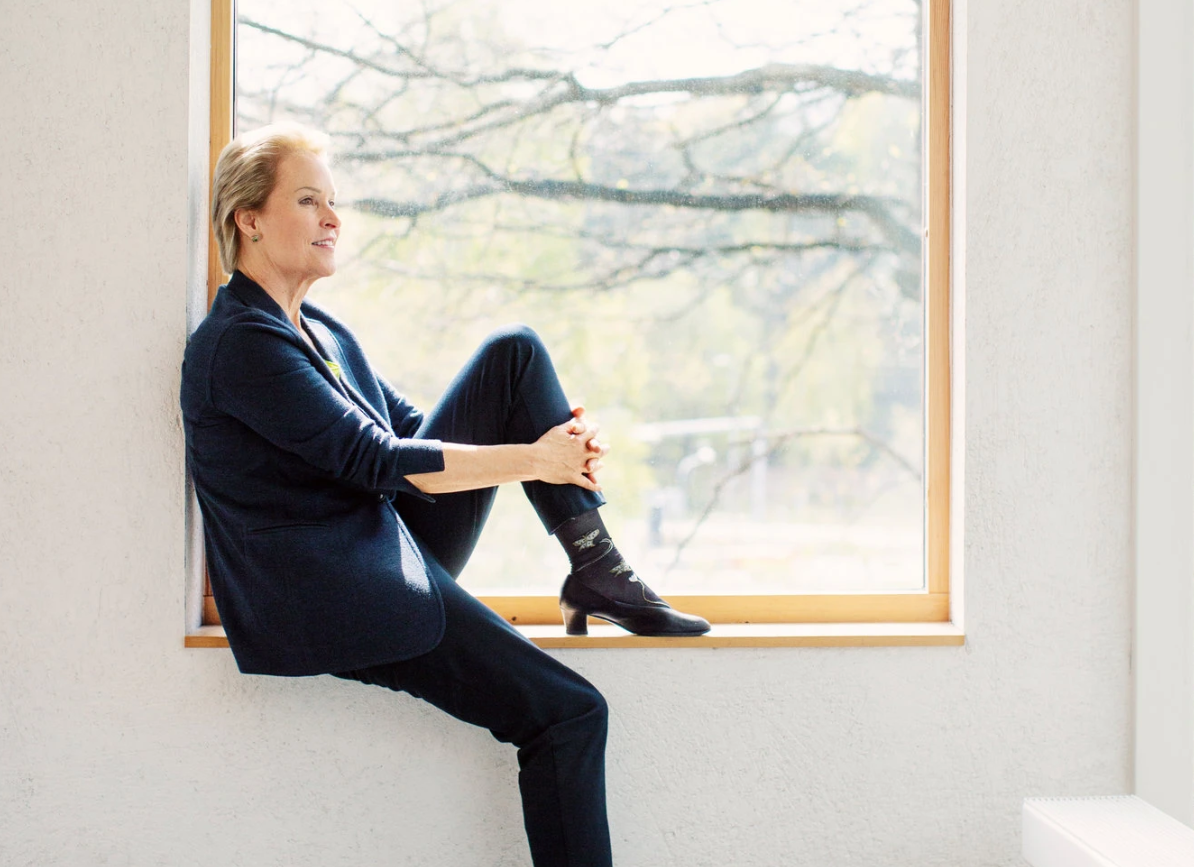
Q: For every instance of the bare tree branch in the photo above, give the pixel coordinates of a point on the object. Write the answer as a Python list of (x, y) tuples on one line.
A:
[(778, 440), (772, 78), (564, 88), (769, 78), (813, 203), (810, 346)]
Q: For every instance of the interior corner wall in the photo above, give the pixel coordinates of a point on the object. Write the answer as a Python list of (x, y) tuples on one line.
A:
[(120, 747), (1164, 634)]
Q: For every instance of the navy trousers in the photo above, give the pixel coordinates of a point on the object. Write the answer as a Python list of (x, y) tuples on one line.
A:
[(483, 671)]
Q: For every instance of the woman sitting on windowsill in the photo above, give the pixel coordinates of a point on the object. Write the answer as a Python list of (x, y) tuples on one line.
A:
[(337, 516)]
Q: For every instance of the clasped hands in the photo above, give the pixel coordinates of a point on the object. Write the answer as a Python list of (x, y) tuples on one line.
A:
[(572, 453)]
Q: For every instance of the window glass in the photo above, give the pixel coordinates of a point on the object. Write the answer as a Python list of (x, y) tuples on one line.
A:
[(712, 212)]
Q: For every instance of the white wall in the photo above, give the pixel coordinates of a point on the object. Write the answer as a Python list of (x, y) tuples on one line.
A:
[(1164, 634), (119, 747)]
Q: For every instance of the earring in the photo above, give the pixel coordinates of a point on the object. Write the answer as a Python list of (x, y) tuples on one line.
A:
[(256, 238)]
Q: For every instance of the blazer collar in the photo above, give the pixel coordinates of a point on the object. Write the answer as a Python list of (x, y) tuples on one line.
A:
[(250, 292)]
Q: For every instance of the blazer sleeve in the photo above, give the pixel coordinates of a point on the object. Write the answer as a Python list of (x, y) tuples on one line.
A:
[(404, 415), (261, 377)]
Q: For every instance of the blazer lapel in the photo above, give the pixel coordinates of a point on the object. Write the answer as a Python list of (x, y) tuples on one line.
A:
[(324, 340), (249, 292)]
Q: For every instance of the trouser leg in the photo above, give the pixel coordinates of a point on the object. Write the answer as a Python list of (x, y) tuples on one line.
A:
[(485, 673), (508, 392)]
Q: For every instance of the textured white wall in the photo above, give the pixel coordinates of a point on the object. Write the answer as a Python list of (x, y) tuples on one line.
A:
[(118, 747), (1164, 623)]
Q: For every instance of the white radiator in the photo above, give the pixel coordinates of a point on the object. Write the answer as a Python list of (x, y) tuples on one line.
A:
[(1113, 831)]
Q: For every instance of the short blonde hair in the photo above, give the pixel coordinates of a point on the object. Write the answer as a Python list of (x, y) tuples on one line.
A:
[(245, 175)]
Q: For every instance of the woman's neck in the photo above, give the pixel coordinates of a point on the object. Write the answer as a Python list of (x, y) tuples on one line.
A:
[(288, 294)]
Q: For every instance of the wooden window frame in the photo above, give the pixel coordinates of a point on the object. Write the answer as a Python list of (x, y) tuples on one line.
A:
[(921, 617)]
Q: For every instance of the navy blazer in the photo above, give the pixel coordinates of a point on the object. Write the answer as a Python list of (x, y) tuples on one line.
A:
[(311, 567)]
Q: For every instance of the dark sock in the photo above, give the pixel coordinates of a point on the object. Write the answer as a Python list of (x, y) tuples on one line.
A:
[(584, 539), (596, 560)]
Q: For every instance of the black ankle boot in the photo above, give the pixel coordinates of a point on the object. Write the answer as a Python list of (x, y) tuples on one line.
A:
[(609, 589)]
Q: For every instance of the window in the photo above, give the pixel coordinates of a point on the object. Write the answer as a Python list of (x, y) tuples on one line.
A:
[(732, 230)]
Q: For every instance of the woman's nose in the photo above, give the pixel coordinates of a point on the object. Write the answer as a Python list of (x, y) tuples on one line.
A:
[(331, 220)]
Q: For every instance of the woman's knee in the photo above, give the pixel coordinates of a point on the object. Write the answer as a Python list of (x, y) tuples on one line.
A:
[(588, 705), (515, 338), (601, 710)]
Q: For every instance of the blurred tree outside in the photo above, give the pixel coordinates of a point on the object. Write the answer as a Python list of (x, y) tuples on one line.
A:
[(712, 212)]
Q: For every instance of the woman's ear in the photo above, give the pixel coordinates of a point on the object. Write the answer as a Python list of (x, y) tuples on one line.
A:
[(246, 221)]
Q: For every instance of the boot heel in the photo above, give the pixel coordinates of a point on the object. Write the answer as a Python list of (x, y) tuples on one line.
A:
[(576, 621)]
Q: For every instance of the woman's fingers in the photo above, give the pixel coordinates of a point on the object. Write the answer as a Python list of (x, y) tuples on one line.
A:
[(592, 466), (581, 423), (576, 452), (581, 426), (589, 437)]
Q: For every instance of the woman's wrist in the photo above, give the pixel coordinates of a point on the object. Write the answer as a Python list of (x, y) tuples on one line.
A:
[(527, 461)]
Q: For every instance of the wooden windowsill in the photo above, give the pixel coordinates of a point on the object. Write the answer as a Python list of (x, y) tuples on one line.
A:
[(722, 635)]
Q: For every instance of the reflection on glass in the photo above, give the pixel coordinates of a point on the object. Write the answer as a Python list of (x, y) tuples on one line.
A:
[(710, 210)]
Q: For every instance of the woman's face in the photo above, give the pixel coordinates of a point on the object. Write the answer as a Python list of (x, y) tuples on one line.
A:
[(298, 227)]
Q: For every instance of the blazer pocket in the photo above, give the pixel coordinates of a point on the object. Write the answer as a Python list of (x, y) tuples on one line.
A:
[(282, 528), (289, 563)]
